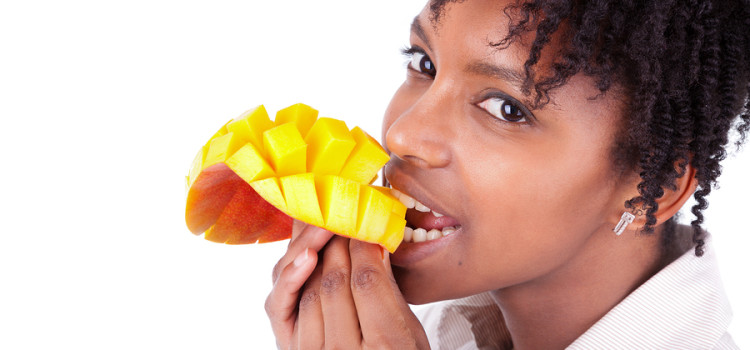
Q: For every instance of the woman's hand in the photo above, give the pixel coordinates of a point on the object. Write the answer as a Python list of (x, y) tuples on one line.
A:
[(350, 301), (289, 275)]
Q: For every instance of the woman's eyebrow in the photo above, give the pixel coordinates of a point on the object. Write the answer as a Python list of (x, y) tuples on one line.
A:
[(498, 72), (416, 28)]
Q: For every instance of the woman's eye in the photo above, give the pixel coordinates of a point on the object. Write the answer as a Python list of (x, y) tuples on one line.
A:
[(420, 62), (503, 109)]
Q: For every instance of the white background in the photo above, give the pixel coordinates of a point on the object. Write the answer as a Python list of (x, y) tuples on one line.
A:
[(102, 108)]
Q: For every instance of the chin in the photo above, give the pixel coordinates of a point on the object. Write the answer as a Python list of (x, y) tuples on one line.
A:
[(414, 292)]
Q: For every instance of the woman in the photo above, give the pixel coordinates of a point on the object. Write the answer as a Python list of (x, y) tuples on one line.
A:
[(550, 146)]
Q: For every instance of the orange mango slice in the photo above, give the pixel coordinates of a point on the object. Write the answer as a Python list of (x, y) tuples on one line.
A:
[(255, 175)]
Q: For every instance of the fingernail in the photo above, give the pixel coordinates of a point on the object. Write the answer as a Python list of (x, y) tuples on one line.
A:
[(301, 258)]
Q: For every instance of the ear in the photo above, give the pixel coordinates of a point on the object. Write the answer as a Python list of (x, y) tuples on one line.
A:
[(669, 204), (673, 199)]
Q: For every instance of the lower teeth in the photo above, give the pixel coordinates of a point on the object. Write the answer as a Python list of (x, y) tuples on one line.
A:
[(421, 235)]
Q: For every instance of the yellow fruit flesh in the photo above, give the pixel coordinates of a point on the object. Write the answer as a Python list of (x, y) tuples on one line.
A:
[(394, 233), (251, 125), (329, 145), (197, 166), (302, 198), (338, 198), (249, 164), (270, 190), (286, 149), (373, 212), (303, 116), (221, 148), (366, 158), (322, 179)]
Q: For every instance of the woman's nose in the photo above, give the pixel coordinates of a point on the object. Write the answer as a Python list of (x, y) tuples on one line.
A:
[(420, 131)]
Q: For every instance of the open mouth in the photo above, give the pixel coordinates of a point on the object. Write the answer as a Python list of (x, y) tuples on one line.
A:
[(423, 223)]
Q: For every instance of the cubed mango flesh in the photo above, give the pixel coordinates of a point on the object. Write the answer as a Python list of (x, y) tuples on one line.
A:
[(300, 114), (301, 198), (197, 165), (249, 164), (338, 199), (373, 213), (367, 157), (329, 144), (394, 233), (286, 149), (398, 209), (255, 175), (270, 190), (251, 125), (221, 148), (222, 131)]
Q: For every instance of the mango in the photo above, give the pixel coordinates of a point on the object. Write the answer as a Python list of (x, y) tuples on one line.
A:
[(302, 198), (302, 115), (254, 176), (251, 125), (329, 145), (339, 197), (286, 149), (367, 157)]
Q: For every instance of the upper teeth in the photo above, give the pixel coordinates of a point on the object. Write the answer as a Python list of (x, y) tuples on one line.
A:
[(412, 203)]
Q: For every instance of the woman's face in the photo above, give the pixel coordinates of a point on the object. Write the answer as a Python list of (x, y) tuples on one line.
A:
[(532, 192)]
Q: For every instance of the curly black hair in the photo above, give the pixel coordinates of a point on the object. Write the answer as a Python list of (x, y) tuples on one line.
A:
[(683, 65)]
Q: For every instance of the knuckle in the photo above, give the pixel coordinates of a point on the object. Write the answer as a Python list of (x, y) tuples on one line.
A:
[(270, 310), (310, 297), (366, 278), (275, 272), (333, 281)]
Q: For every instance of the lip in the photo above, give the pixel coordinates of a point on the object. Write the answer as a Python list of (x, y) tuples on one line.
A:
[(409, 253), (403, 183)]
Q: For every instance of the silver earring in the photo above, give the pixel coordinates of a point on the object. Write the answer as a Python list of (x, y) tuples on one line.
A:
[(625, 220)]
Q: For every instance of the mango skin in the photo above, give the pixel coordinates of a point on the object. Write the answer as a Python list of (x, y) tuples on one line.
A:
[(254, 176), (229, 210)]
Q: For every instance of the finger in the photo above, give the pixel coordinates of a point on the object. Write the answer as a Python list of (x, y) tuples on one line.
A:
[(297, 227), (340, 315), (310, 237), (310, 322), (281, 303), (379, 304)]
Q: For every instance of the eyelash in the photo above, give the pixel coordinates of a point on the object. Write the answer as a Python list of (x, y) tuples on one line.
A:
[(423, 67), (504, 104), (410, 52)]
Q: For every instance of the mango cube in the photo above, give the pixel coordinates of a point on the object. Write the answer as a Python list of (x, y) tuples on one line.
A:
[(329, 144), (286, 149), (394, 233), (300, 114), (221, 148), (398, 209), (197, 165), (249, 164), (367, 157), (251, 125), (373, 213), (270, 190), (301, 198), (221, 132), (339, 199)]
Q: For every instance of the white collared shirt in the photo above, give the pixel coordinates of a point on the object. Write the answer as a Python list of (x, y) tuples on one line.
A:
[(683, 306)]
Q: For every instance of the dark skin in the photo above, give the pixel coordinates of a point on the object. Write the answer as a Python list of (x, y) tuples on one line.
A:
[(536, 194)]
